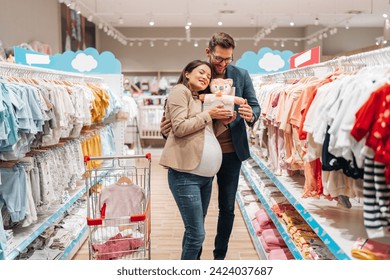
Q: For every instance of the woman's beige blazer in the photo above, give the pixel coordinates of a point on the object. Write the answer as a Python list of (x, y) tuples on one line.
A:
[(184, 146)]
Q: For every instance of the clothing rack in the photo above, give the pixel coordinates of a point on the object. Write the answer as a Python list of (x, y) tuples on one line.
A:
[(352, 62), (332, 234), (23, 71)]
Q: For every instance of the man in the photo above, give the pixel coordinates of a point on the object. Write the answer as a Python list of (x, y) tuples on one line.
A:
[(232, 137)]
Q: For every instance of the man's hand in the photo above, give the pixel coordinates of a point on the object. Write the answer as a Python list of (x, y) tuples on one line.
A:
[(165, 127), (245, 111)]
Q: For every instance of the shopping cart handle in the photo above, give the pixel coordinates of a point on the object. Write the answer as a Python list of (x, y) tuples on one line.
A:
[(94, 222), (137, 218), (148, 156)]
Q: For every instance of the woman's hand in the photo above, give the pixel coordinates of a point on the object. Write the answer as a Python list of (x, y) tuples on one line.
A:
[(217, 112), (165, 126)]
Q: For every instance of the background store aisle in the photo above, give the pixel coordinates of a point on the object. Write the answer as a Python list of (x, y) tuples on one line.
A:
[(167, 226)]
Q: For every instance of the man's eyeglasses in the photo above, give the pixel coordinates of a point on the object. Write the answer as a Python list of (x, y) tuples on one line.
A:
[(220, 59)]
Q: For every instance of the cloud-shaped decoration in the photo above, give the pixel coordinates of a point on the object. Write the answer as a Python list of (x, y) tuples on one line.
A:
[(84, 63), (106, 62), (69, 61), (271, 62), (266, 61)]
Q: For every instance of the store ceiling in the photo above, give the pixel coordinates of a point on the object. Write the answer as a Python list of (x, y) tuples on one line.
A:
[(235, 13)]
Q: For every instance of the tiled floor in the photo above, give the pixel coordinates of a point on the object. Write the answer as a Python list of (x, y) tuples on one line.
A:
[(167, 227)]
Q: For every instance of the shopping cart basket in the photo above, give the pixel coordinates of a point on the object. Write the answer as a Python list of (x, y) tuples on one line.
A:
[(118, 206)]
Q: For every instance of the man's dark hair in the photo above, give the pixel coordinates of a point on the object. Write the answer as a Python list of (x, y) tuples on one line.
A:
[(221, 39)]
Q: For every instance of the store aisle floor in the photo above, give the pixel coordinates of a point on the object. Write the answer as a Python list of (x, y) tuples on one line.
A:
[(167, 227)]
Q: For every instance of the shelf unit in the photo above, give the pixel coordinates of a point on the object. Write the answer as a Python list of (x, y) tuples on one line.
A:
[(24, 236), (75, 245), (255, 240), (149, 116), (150, 75), (337, 227), (278, 224)]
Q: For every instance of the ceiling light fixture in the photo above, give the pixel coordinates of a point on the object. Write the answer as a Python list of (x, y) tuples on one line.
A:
[(220, 23), (380, 41), (121, 21), (317, 21)]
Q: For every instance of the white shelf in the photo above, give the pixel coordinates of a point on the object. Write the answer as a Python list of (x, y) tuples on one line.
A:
[(337, 227), (278, 224), (255, 240), (76, 244), (24, 236)]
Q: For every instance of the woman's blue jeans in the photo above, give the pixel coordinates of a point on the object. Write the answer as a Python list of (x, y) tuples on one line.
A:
[(192, 195)]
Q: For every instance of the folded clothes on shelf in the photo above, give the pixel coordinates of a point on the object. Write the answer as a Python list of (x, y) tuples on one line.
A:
[(242, 186), (262, 217), (250, 198), (272, 237), (320, 253), (278, 199), (271, 191), (280, 254), (247, 191), (291, 218), (252, 208), (268, 247), (294, 230), (279, 209), (259, 229)]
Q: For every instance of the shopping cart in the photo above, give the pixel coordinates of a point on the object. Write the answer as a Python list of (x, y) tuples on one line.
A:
[(118, 206)]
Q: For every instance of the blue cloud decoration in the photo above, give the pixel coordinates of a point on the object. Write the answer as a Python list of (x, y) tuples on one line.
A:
[(88, 61), (266, 61)]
